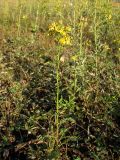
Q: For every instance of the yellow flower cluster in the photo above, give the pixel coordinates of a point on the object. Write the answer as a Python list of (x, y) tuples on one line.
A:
[(62, 33), (108, 17), (65, 40)]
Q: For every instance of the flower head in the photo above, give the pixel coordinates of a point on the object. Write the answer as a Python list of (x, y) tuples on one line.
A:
[(61, 33), (65, 40)]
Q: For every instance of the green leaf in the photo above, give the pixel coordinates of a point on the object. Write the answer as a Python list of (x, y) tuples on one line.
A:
[(54, 154), (78, 158)]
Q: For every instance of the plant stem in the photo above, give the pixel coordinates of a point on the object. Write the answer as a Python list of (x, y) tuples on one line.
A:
[(96, 47), (57, 96)]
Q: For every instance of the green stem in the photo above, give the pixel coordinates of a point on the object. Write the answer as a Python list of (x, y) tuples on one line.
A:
[(57, 97), (96, 47)]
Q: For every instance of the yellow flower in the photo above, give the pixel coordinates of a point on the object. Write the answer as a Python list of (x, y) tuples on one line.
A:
[(53, 26), (58, 28), (65, 40), (62, 32), (110, 16), (24, 17), (68, 28), (74, 57), (62, 40), (62, 35)]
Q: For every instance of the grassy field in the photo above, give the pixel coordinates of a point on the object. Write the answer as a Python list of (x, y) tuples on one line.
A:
[(59, 80)]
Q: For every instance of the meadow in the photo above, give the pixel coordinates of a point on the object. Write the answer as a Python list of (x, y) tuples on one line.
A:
[(59, 80)]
